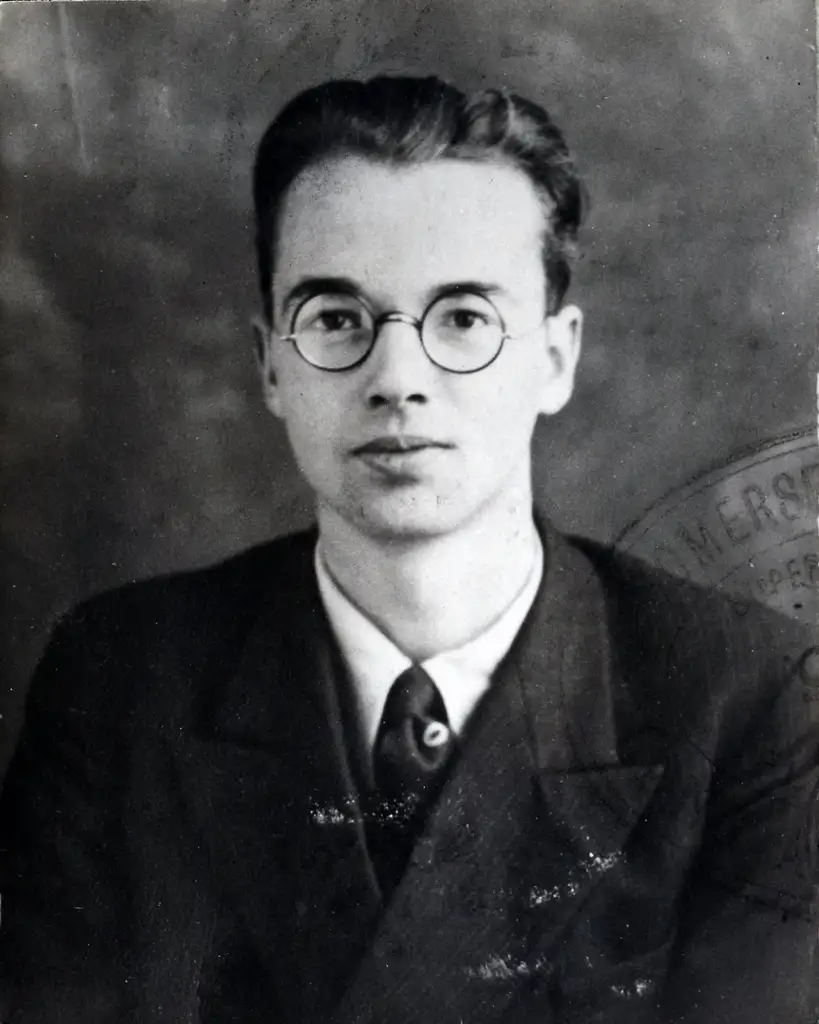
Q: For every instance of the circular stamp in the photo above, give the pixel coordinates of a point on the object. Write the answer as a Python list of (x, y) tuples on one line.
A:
[(748, 527)]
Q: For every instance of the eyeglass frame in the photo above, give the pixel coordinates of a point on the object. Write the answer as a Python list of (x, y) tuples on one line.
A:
[(397, 316)]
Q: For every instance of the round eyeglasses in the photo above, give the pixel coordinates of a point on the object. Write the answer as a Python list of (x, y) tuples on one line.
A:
[(461, 332)]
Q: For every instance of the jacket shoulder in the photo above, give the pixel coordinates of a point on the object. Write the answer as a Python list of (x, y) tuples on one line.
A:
[(153, 642), (220, 589), (637, 590), (692, 649)]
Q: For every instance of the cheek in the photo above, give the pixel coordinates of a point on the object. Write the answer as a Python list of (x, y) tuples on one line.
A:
[(313, 414), (310, 424), (303, 401), (505, 409)]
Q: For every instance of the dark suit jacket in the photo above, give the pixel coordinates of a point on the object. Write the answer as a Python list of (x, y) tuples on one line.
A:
[(628, 834)]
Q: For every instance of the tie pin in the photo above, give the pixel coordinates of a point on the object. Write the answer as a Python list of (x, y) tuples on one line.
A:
[(435, 734)]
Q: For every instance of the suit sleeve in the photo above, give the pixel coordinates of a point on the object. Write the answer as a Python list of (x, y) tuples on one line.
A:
[(65, 895), (746, 945)]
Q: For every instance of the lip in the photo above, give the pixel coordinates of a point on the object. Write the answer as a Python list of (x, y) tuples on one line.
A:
[(398, 444)]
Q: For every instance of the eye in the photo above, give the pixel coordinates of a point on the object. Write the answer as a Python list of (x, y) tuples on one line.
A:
[(332, 320), (458, 317), (465, 319), (329, 315)]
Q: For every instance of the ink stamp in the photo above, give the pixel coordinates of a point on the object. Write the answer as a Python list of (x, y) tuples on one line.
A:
[(748, 527)]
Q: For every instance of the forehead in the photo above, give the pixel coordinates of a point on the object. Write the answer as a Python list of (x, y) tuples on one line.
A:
[(398, 231)]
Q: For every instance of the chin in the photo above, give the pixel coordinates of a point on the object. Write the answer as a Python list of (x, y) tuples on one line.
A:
[(407, 517)]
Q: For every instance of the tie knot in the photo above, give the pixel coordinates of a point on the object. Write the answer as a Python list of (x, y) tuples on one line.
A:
[(412, 749), (414, 695), (414, 739)]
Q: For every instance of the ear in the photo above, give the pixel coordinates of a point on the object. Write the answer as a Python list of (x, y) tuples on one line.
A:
[(563, 341), (263, 347)]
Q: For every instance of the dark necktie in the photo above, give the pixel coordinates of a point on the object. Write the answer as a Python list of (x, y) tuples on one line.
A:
[(412, 748)]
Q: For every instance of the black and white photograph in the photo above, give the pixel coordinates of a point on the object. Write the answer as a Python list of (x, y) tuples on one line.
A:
[(410, 574)]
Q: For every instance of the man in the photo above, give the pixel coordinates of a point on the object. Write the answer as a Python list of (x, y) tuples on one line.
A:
[(431, 762)]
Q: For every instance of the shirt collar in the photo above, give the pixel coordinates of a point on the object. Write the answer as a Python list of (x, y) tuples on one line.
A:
[(462, 674)]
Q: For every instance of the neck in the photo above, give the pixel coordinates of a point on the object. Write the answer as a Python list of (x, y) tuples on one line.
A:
[(432, 594)]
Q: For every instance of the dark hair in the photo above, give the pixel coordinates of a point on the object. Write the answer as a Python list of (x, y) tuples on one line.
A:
[(403, 120)]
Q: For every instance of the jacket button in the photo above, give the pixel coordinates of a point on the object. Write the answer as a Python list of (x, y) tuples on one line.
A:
[(424, 853), (388, 952), (809, 667)]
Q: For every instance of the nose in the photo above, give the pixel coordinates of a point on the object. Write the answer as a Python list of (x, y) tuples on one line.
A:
[(399, 371)]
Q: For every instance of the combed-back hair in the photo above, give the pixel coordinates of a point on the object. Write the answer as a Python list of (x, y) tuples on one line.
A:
[(405, 121)]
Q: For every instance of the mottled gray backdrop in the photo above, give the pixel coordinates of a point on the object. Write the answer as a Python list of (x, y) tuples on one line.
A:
[(133, 438)]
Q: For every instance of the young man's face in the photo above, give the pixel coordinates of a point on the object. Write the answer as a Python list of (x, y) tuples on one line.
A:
[(398, 236)]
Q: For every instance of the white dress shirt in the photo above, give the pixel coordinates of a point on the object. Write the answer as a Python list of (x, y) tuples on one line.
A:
[(462, 674)]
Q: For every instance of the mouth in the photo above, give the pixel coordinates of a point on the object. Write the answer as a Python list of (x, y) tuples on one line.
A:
[(398, 444)]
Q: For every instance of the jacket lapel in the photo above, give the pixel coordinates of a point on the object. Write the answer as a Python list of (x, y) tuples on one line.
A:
[(273, 799), (536, 813)]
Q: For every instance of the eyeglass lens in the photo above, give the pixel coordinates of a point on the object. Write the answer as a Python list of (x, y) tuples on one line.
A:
[(461, 331)]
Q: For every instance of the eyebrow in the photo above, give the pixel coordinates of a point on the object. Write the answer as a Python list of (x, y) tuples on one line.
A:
[(307, 287)]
